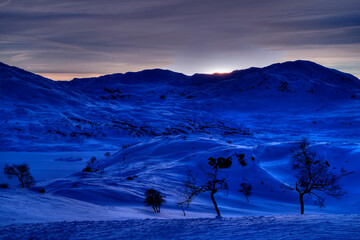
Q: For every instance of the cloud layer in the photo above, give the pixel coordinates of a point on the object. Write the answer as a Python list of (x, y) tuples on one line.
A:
[(89, 37)]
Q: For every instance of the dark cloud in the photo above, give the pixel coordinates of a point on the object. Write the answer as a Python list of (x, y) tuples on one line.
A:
[(88, 36)]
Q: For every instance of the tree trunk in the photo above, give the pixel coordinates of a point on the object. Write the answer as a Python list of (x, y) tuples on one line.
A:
[(22, 182), (183, 210), (215, 204), (302, 203)]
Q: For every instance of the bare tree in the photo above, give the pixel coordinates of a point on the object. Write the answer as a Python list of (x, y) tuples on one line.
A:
[(214, 182), (313, 175), (186, 198), (155, 199), (22, 172), (190, 192), (246, 189)]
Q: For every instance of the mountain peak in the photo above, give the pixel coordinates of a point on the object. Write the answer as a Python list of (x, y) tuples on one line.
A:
[(145, 76), (298, 65)]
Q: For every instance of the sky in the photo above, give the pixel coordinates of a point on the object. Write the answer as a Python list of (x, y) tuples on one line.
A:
[(66, 39)]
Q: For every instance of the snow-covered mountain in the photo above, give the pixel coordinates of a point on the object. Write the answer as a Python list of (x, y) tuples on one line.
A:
[(160, 102), (159, 124)]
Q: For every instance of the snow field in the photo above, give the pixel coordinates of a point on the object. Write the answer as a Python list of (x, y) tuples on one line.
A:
[(269, 227)]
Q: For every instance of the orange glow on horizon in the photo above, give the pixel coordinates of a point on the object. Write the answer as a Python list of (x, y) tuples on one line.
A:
[(220, 73), (219, 70), (67, 76)]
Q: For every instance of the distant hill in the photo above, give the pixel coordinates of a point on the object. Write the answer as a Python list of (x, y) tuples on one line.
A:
[(161, 102)]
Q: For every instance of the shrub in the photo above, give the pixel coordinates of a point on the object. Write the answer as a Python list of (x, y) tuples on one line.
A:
[(93, 166), (38, 189)]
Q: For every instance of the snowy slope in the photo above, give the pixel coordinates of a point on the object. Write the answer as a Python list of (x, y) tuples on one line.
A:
[(158, 124)]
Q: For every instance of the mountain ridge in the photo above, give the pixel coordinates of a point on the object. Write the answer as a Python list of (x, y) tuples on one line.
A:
[(289, 64), (287, 77)]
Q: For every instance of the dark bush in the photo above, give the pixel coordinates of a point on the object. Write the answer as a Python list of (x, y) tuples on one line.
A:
[(38, 189), (93, 166), (241, 159), (87, 169)]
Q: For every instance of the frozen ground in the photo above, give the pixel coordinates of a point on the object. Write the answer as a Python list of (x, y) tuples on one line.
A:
[(270, 227)]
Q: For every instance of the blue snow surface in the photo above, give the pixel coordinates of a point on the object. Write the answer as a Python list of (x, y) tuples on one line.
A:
[(158, 124)]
